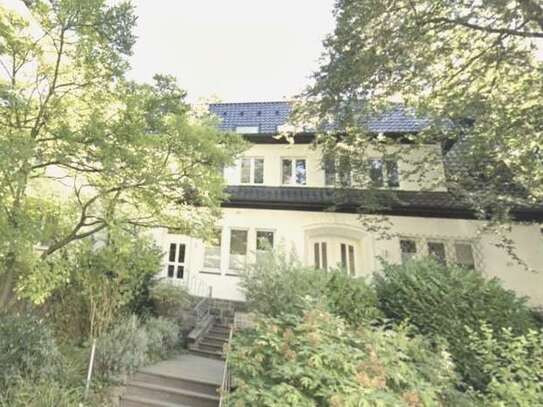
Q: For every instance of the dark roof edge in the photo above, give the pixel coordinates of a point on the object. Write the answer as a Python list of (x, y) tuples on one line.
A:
[(309, 137), (521, 215)]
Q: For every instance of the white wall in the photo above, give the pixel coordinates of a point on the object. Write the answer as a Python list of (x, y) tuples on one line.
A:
[(432, 176), (294, 228)]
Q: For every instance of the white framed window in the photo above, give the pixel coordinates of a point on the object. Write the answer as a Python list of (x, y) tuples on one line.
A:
[(212, 252), (175, 267), (337, 172), (408, 249), (294, 171), (264, 242), (252, 170), (238, 249), (384, 173), (445, 251), (348, 258), (320, 252), (329, 167), (464, 255), (436, 249)]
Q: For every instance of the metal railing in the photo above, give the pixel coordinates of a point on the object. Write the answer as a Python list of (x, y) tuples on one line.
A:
[(197, 286), (226, 385), (201, 309)]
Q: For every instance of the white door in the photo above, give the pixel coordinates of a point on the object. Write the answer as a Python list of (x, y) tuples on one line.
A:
[(176, 260)]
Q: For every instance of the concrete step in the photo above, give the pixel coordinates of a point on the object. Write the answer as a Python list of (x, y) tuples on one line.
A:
[(223, 327), (213, 340), (206, 353), (179, 383), (218, 332), (170, 395), (131, 401), (203, 345), (219, 337)]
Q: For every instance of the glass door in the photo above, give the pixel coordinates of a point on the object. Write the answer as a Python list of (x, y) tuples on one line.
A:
[(333, 253), (348, 260), (175, 266)]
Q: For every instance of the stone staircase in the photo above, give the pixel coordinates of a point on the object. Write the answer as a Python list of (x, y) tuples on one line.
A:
[(186, 381), (211, 342), (189, 380)]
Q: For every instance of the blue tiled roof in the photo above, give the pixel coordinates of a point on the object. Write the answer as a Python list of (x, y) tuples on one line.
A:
[(268, 116), (396, 120)]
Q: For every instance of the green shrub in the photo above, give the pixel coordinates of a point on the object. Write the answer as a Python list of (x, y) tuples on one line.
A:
[(40, 393), (169, 300), (104, 282), (514, 365), (163, 337), (27, 349), (351, 298), (316, 359), (442, 301), (279, 284), (122, 349)]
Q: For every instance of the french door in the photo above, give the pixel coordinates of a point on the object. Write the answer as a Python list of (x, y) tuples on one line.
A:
[(334, 252), (176, 260)]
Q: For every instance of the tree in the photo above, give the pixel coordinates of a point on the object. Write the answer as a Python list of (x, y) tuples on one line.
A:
[(468, 68), (82, 148)]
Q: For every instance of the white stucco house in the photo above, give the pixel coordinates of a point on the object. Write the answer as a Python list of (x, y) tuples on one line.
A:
[(281, 193)]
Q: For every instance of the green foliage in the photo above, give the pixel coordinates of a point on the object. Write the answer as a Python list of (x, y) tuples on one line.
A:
[(163, 337), (27, 349), (514, 365), (122, 349), (316, 359), (40, 393), (351, 298), (472, 64), (131, 343), (443, 301), (169, 300), (279, 284), (82, 149), (106, 280)]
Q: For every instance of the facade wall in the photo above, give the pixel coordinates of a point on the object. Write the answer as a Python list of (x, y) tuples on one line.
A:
[(433, 174), (296, 231)]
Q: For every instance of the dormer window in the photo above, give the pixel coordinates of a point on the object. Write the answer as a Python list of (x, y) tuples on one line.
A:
[(247, 129)]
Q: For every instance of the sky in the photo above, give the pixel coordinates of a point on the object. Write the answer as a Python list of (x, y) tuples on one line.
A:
[(230, 50), (233, 50)]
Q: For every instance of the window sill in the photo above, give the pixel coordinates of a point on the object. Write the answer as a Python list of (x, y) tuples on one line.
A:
[(216, 273), (232, 274)]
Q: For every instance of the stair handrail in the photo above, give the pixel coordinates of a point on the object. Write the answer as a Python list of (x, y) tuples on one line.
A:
[(227, 374), (202, 308)]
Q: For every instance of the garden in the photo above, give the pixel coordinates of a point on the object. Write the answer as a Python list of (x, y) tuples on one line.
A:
[(110, 297), (419, 334)]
